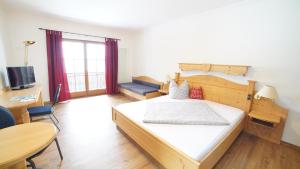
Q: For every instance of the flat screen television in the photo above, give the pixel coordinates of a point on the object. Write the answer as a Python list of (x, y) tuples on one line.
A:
[(21, 77)]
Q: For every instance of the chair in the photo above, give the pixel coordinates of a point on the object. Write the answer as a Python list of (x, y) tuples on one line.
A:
[(46, 110), (7, 120)]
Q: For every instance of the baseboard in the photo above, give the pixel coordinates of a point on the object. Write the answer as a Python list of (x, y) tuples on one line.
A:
[(290, 145)]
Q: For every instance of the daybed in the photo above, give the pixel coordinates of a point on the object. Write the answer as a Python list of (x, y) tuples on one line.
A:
[(141, 88)]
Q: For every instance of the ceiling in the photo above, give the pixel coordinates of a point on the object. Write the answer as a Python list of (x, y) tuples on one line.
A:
[(130, 14)]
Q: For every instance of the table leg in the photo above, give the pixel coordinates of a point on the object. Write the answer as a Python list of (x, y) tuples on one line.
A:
[(26, 117), (21, 115), (39, 102)]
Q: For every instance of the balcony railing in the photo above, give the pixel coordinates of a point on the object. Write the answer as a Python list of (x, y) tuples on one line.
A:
[(96, 80)]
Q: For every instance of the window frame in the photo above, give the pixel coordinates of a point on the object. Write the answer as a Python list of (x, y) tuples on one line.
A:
[(87, 92)]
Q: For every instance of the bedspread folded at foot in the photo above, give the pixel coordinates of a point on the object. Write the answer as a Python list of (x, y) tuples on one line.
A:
[(184, 113)]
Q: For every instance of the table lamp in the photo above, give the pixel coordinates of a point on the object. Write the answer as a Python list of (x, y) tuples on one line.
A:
[(266, 92)]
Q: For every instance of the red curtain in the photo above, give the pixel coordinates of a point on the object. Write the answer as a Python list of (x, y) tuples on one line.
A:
[(56, 66), (111, 65)]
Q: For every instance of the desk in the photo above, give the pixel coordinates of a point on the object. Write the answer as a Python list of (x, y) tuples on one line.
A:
[(19, 109), (20, 142)]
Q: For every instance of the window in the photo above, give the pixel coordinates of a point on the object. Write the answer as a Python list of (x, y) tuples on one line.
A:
[(85, 67), (96, 66)]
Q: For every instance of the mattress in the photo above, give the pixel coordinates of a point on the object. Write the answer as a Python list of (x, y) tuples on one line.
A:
[(138, 88), (195, 141)]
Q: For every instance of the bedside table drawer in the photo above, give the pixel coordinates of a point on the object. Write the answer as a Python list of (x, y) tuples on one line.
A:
[(263, 129), (261, 122)]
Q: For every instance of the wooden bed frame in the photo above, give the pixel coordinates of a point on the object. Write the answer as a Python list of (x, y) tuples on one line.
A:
[(139, 96), (215, 89)]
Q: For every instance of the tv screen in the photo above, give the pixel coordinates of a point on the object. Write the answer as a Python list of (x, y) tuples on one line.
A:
[(20, 77)]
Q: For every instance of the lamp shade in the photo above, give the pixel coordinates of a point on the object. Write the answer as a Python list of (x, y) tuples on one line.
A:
[(267, 92), (29, 42)]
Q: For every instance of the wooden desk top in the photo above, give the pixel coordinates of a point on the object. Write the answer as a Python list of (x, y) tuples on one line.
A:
[(22, 141), (265, 117), (5, 97)]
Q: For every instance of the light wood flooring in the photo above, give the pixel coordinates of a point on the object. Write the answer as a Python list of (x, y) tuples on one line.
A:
[(90, 140)]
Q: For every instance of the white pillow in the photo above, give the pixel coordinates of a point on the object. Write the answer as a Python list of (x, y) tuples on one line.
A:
[(179, 92)]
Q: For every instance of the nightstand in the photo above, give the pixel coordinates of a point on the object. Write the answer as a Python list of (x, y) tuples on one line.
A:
[(266, 120), (163, 92), (164, 89)]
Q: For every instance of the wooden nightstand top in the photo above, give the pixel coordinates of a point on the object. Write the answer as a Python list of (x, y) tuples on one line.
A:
[(163, 91), (265, 117)]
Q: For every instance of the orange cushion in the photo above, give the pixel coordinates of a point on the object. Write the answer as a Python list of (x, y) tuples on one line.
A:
[(196, 93)]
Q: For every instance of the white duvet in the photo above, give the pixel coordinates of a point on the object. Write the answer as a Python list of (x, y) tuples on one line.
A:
[(194, 140), (183, 112)]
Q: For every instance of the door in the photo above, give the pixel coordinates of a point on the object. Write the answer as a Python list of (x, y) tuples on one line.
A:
[(85, 67)]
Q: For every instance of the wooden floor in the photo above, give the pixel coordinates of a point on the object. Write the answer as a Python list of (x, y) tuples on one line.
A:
[(90, 140)]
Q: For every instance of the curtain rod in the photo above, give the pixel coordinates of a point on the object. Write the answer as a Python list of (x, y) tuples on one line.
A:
[(81, 34)]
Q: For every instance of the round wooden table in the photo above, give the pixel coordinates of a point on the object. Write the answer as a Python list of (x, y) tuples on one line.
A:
[(19, 142)]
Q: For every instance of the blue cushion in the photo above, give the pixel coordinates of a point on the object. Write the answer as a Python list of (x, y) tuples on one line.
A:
[(6, 118), (138, 88), (146, 83), (40, 110)]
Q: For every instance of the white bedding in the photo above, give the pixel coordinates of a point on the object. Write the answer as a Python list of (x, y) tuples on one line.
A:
[(194, 140), (184, 112)]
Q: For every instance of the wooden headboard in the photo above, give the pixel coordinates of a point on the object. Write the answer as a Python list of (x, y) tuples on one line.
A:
[(221, 90), (227, 69)]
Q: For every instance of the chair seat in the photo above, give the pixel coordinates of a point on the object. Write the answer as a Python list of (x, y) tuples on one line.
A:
[(40, 110)]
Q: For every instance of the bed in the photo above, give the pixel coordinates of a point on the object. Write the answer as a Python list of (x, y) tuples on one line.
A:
[(190, 146)]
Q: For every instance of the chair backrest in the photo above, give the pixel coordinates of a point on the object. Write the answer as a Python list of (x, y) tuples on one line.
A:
[(6, 118), (56, 95)]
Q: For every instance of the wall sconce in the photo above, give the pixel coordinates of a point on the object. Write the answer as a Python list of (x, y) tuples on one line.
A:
[(27, 43)]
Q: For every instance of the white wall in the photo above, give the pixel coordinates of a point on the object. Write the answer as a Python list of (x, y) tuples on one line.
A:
[(3, 76), (23, 25), (261, 33)]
